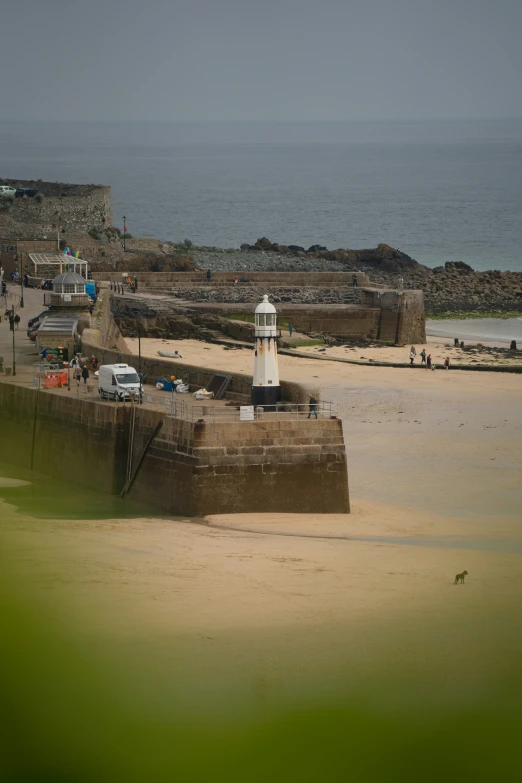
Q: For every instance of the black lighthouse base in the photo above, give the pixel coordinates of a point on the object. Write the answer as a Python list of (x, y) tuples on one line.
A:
[(266, 396)]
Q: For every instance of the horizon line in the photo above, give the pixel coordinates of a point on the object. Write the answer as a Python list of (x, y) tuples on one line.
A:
[(357, 121)]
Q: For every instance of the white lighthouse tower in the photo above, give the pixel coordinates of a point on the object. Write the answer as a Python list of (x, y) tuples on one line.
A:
[(266, 390)]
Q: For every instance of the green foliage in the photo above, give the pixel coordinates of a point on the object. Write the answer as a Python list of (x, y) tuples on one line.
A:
[(111, 233), (39, 198), (5, 204), (108, 234)]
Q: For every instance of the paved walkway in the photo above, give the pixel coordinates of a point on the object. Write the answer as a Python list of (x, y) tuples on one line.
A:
[(25, 350)]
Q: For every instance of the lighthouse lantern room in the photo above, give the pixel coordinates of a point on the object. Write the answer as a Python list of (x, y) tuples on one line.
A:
[(266, 390)]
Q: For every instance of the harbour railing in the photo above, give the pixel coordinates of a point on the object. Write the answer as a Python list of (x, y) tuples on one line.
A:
[(212, 412)]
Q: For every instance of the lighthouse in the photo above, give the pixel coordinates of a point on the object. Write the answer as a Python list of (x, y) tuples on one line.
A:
[(266, 390)]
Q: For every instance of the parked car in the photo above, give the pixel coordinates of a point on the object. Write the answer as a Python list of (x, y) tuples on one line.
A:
[(37, 318), (6, 191), (26, 192)]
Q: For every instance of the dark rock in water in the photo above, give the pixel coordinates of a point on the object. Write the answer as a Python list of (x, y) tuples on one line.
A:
[(317, 249), (264, 243), (458, 266), (296, 248), (246, 247)]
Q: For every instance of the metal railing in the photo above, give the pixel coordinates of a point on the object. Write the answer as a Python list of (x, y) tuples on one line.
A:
[(172, 405)]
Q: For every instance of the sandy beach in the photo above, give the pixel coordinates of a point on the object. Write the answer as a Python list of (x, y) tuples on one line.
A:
[(196, 352)]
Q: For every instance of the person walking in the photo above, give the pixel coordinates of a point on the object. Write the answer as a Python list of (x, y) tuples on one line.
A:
[(290, 329), (423, 356), (17, 321), (355, 281), (209, 275), (413, 354), (77, 373), (447, 363), (11, 322), (85, 374), (428, 361), (312, 407)]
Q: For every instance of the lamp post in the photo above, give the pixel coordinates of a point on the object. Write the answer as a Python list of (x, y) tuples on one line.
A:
[(13, 326), (21, 283), (124, 230), (133, 334)]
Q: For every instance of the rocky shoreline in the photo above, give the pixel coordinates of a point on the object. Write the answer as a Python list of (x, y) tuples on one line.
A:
[(452, 288)]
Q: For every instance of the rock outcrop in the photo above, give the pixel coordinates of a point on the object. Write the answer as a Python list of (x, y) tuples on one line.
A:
[(383, 257)]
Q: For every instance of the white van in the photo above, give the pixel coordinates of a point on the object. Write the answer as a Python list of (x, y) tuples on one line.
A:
[(119, 382)]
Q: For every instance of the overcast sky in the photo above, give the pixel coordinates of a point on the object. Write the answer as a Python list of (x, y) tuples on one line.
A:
[(251, 60)]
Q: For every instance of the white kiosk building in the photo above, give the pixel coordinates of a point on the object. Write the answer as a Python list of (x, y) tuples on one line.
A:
[(266, 390)]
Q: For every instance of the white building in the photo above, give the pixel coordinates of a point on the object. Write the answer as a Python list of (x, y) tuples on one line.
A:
[(266, 390)]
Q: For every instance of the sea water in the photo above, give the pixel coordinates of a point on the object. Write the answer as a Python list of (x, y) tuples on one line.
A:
[(475, 330), (439, 191)]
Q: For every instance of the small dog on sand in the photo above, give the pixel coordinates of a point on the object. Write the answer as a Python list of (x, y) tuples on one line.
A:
[(460, 578)]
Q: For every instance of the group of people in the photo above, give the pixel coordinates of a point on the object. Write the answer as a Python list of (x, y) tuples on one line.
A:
[(14, 320), (81, 372), (130, 283), (426, 359)]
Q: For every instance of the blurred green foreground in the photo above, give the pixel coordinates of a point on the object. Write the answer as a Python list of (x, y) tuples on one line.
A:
[(70, 715)]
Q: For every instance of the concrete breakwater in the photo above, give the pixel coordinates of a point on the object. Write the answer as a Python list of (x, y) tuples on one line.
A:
[(388, 316), (191, 467)]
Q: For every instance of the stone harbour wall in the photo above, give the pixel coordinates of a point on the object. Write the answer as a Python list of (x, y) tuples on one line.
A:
[(199, 468), (192, 468), (347, 322), (65, 437), (78, 211), (163, 280), (411, 327)]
